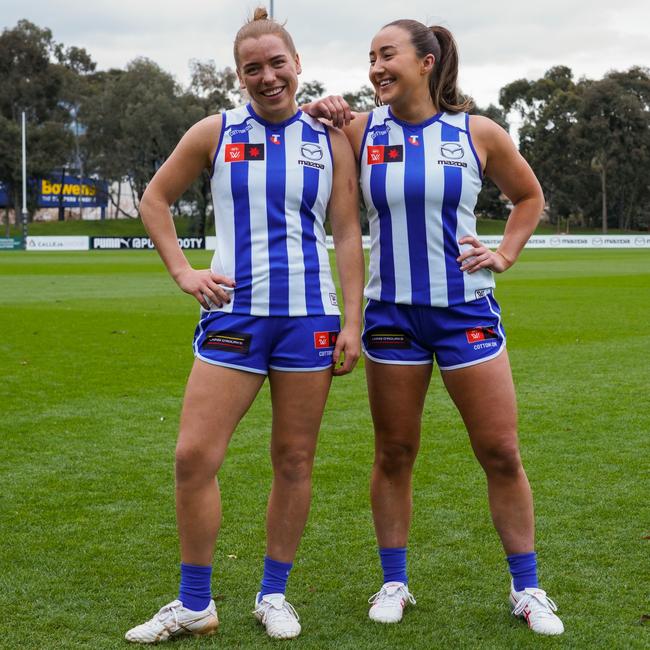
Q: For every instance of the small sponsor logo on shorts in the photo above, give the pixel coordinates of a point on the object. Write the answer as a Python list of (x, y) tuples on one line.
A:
[(477, 334), (325, 339), (388, 340), (227, 341), (334, 300), (481, 293)]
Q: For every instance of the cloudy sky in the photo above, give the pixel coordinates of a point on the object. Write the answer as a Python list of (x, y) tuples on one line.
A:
[(499, 41)]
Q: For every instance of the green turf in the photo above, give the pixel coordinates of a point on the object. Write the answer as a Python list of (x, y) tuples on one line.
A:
[(95, 351)]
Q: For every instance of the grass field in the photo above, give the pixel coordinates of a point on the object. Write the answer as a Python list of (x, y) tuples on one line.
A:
[(94, 353)]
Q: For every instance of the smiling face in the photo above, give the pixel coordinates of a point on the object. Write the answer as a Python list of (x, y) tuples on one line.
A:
[(396, 72), (269, 73)]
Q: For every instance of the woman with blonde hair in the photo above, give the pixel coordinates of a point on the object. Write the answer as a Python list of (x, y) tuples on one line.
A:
[(268, 308)]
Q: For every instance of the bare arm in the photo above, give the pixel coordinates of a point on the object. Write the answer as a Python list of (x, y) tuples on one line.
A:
[(514, 177), (343, 211), (187, 161)]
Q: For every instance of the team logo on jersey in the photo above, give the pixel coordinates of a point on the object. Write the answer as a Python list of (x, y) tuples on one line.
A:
[(325, 339), (477, 334), (414, 140), (383, 153), (274, 138), (388, 339), (243, 151), (452, 150), (311, 151), (227, 341)]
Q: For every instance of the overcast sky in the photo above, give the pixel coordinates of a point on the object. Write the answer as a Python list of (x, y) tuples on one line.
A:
[(499, 41)]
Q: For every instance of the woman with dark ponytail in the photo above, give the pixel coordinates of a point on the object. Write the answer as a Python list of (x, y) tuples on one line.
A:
[(268, 308), (430, 295)]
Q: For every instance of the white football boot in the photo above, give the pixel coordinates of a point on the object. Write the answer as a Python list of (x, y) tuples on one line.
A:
[(537, 608), (175, 620), (277, 615), (389, 602)]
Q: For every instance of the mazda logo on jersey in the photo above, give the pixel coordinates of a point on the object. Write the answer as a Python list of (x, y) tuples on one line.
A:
[(452, 150), (243, 151), (383, 153), (311, 151)]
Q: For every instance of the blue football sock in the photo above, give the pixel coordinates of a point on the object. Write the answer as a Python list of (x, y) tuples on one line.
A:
[(393, 563), (274, 579), (523, 569), (194, 592)]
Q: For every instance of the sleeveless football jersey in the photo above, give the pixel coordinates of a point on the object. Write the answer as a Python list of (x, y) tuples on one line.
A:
[(271, 184), (420, 183)]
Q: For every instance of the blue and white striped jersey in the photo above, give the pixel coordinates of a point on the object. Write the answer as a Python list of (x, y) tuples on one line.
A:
[(271, 184), (420, 183)]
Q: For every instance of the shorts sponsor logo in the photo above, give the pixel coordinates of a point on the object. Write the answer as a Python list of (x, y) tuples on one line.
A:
[(481, 293), (227, 341), (388, 340), (383, 153), (325, 339), (452, 150), (477, 334), (334, 300), (311, 151), (243, 151)]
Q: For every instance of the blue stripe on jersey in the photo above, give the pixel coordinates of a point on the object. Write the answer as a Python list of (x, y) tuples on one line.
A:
[(380, 201), (414, 202), (451, 198), (276, 180), (310, 178), (241, 299)]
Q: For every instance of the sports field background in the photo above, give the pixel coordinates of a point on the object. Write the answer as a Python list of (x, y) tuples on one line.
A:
[(94, 351)]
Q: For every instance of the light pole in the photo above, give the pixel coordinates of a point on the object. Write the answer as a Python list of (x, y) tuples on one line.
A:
[(24, 212)]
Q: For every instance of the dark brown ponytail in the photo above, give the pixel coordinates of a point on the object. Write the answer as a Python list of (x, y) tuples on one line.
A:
[(443, 80)]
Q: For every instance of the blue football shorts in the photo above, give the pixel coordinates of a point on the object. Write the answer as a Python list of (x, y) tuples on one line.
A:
[(257, 343), (457, 337)]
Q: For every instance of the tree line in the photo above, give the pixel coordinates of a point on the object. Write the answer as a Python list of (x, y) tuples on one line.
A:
[(587, 140)]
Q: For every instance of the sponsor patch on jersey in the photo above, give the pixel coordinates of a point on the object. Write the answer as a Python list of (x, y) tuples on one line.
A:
[(311, 151), (228, 341), (453, 163), (325, 339), (384, 153), (244, 151), (477, 334), (452, 150), (414, 140), (310, 163), (379, 132), (275, 138), (388, 340), (232, 130)]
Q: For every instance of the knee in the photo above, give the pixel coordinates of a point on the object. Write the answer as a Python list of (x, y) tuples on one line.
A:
[(501, 460), (293, 465), (193, 463), (395, 457)]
